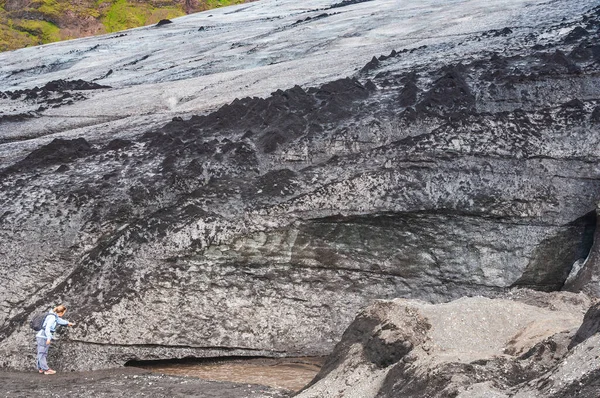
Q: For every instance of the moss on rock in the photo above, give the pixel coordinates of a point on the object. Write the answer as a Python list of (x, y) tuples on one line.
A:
[(44, 32)]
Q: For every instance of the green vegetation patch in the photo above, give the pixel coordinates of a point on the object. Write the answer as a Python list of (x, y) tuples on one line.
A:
[(46, 17), (47, 32), (125, 15), (222, 3), (11, 39), (51, 8)]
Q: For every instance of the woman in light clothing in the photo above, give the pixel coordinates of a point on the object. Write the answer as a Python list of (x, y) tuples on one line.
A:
[(45, 336)]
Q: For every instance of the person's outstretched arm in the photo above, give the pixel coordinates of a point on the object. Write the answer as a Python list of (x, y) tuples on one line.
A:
[(63, 322)]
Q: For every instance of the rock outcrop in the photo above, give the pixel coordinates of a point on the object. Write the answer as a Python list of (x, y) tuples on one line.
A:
[(173, 225), (471, 347)]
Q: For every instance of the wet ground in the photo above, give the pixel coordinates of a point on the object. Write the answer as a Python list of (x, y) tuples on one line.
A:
[(282, 373), (125, 382), (231, 378)]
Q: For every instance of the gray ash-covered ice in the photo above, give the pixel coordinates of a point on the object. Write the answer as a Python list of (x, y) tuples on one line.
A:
[(243, 181)]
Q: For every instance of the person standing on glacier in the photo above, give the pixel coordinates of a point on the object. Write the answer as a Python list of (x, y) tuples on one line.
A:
[(45, 336)]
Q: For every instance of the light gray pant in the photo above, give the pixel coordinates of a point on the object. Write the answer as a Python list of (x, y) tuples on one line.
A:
[(42, 353)]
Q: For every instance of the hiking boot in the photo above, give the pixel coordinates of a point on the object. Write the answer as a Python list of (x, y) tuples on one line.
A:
[(49, 372)]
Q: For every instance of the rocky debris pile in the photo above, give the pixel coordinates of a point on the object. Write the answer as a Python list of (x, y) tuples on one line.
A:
[(345, 3), (471, 347), (54, 94), (59, 151), (163, 22), (19, 117), (55, 86)]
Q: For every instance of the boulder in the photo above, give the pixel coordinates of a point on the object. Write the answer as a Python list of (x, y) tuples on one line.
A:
[(470, 347)]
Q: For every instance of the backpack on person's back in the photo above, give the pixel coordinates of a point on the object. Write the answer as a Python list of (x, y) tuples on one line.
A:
[(37, 322)]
